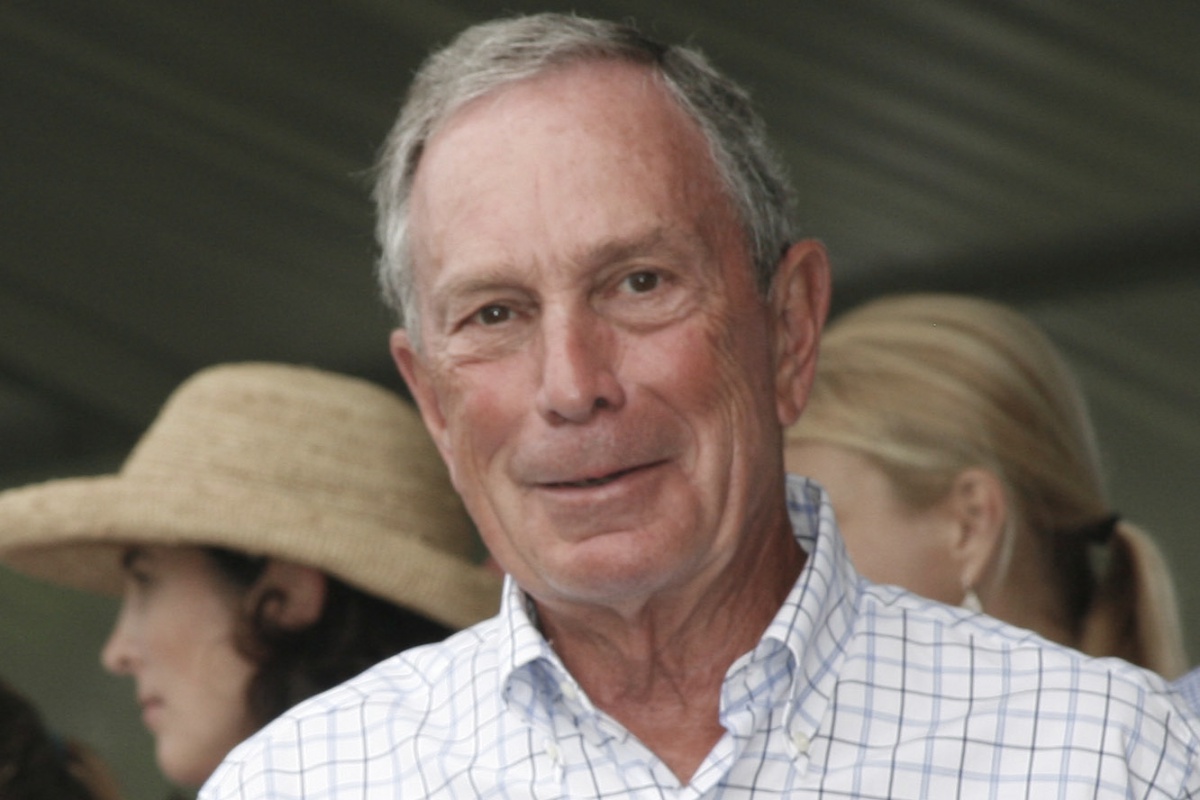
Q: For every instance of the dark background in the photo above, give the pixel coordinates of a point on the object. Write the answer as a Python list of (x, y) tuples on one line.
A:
[(183, 185)]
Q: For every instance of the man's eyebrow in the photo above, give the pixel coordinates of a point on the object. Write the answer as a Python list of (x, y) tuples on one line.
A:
[(609, 251), (460, 289), (614, 251)]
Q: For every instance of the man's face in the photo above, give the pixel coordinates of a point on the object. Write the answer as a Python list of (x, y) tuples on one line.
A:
[(596, 365)]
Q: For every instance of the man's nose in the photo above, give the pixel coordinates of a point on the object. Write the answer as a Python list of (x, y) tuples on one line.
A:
[(578, 372)]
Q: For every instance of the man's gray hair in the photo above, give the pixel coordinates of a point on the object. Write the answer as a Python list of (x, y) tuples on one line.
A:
[(491, 55)]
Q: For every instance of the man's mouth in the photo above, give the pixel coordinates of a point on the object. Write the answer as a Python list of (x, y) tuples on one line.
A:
[(588, 483)]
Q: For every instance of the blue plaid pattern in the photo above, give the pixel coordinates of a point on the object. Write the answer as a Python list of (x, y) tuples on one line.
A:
[(854, 691), (1189, 689)]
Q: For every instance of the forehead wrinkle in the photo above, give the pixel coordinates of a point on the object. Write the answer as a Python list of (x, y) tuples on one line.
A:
[(658, 240), (618, 249)]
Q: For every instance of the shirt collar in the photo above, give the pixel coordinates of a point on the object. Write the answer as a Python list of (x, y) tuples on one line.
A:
[(814, 622), (521, 642), (817, 619)]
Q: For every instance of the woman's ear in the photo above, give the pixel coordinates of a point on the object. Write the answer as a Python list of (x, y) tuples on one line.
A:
[(980, 508), (295, 593)]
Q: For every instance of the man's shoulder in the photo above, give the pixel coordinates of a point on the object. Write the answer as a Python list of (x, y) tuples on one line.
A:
[(979, 658), (417, 680), (384, 709), (1188, 689)]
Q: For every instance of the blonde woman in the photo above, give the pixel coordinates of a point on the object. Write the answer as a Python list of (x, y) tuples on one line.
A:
[(277, 530), (961, 460)]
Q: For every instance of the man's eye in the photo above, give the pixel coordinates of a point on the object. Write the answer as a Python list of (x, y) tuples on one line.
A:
[(493, 315), (641, 282)]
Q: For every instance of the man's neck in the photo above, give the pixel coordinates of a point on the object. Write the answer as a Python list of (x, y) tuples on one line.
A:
[(659, 671)]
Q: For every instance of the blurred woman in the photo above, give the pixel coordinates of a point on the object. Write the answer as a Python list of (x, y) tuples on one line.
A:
[(37, 764), (277, 530), (962, 463)]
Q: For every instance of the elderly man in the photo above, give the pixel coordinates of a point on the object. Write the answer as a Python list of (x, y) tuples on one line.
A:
[(607, 322)]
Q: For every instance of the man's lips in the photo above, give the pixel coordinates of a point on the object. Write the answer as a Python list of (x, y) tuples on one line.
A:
[(589, 482), (601, 480)]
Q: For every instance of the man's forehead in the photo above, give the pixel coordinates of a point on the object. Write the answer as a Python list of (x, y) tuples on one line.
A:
[(600, 107), (586, 86), (584, 165)]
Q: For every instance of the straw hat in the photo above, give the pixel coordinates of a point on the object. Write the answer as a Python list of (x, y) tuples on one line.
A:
[(269, 459)]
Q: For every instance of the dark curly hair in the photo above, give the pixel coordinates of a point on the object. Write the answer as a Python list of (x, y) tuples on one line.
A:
[(355, 630)]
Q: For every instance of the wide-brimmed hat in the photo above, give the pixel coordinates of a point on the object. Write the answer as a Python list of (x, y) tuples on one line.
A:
[(277, 460)]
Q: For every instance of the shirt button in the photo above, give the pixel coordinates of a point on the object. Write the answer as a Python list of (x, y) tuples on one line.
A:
[(568, 690), (800, 742), (551, 750)]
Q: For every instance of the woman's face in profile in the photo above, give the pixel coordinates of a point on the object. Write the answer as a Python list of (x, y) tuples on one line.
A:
[(175, 636), (888, 541)]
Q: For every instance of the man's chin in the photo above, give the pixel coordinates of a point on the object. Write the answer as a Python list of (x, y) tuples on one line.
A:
[(606, 571)]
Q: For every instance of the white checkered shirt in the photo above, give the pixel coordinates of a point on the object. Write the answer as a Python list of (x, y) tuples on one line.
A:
[(1189, 689), (854, 691)]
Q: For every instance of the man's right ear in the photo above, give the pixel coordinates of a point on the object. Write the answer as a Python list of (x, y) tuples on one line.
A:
[(421, 385), (799, 305)]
